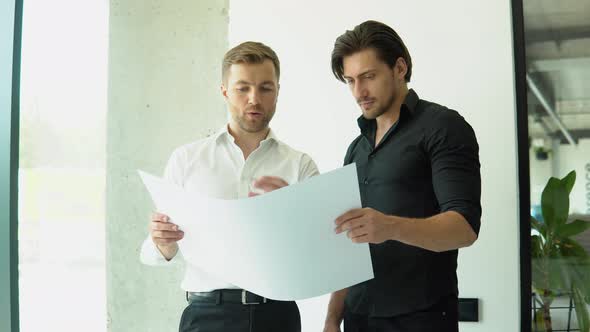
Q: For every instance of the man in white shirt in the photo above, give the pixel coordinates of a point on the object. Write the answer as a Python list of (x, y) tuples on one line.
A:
[(242, 157)]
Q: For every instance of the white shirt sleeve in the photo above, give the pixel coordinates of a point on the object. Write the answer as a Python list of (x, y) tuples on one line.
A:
[(307, 168), (175, 168), (150, 254)]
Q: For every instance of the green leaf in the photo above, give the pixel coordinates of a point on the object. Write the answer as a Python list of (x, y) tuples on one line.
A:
[(555, 204), (539, 227), (538, 264), (538, 275), (569, 180), (571, 248), (580, 273), (536, 246), (557, 282), (573, 228), (581, 310)]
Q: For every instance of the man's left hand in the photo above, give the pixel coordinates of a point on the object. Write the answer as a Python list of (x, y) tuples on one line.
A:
[(365, 226), (267, 184)]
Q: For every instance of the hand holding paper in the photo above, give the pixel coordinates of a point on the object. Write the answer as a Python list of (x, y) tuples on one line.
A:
[(165, 234)]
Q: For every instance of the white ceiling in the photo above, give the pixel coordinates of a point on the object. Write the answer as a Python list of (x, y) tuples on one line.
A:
[(557, 35)]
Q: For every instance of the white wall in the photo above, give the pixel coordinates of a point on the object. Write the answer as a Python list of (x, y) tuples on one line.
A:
[(463, 58)]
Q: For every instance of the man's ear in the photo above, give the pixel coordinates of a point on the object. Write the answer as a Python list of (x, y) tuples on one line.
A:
[(223, 91), (401, 67)]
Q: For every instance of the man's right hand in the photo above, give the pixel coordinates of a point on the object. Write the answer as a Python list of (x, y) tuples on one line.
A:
[(165, 234)]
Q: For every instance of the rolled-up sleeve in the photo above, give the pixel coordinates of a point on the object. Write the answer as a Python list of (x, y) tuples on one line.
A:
[(454, 153)]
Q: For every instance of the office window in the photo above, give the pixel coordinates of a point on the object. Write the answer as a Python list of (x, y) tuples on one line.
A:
[(557, 47), (62, 158)]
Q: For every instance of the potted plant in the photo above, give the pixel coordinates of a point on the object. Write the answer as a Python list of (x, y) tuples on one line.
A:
[(560, 265)]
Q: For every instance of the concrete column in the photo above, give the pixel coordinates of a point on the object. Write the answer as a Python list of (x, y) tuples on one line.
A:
[(164, 78)]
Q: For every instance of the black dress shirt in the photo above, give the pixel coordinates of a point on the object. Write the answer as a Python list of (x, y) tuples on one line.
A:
[(426, 164)]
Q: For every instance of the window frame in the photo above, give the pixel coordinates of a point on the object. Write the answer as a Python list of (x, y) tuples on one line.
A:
[(10, 57)]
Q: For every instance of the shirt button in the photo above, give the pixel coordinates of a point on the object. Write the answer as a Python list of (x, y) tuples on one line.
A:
[(371, 155), (366, 181)]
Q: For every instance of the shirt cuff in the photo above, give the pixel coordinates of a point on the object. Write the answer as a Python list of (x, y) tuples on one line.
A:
[(151, 255)]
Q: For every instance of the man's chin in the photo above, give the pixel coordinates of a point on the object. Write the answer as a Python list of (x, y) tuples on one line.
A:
[(254, 129), (369, 115)]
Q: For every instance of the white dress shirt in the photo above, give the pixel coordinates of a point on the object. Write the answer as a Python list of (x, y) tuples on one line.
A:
[(215, 166)]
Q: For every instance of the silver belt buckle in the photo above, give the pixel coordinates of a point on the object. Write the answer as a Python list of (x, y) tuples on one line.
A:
[(244, 298)]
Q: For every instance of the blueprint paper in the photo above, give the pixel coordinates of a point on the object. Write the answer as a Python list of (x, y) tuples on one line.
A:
[(280, 245)]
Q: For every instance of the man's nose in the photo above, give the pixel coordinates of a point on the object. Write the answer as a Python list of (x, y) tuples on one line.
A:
[(254, 97), (359, 91)]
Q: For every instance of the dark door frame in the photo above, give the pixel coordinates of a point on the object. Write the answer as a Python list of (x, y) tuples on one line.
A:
[(522, 135)]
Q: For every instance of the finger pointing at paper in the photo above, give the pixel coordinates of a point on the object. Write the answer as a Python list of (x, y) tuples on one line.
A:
[(266, 184)]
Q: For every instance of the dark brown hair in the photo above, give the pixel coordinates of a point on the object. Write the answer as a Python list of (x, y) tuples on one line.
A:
[(370, 35), (249, 52)]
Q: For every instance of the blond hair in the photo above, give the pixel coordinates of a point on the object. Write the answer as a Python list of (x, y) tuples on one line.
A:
[(252, 53)]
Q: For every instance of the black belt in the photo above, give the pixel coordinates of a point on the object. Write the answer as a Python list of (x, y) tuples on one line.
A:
[(221, 296)]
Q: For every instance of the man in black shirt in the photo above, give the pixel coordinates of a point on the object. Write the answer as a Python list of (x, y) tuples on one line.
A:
[(418, 170)]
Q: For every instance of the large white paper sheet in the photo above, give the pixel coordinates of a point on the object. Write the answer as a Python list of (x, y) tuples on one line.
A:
[(280, 245)]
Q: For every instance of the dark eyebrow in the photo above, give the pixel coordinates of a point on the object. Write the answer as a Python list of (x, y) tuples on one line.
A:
[(370, 71)]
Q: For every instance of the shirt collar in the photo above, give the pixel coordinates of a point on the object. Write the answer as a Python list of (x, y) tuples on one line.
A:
[(411, 101), (224, 133)]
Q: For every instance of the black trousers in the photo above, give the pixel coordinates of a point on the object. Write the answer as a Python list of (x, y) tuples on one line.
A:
[(443, 316), (237, 317)]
